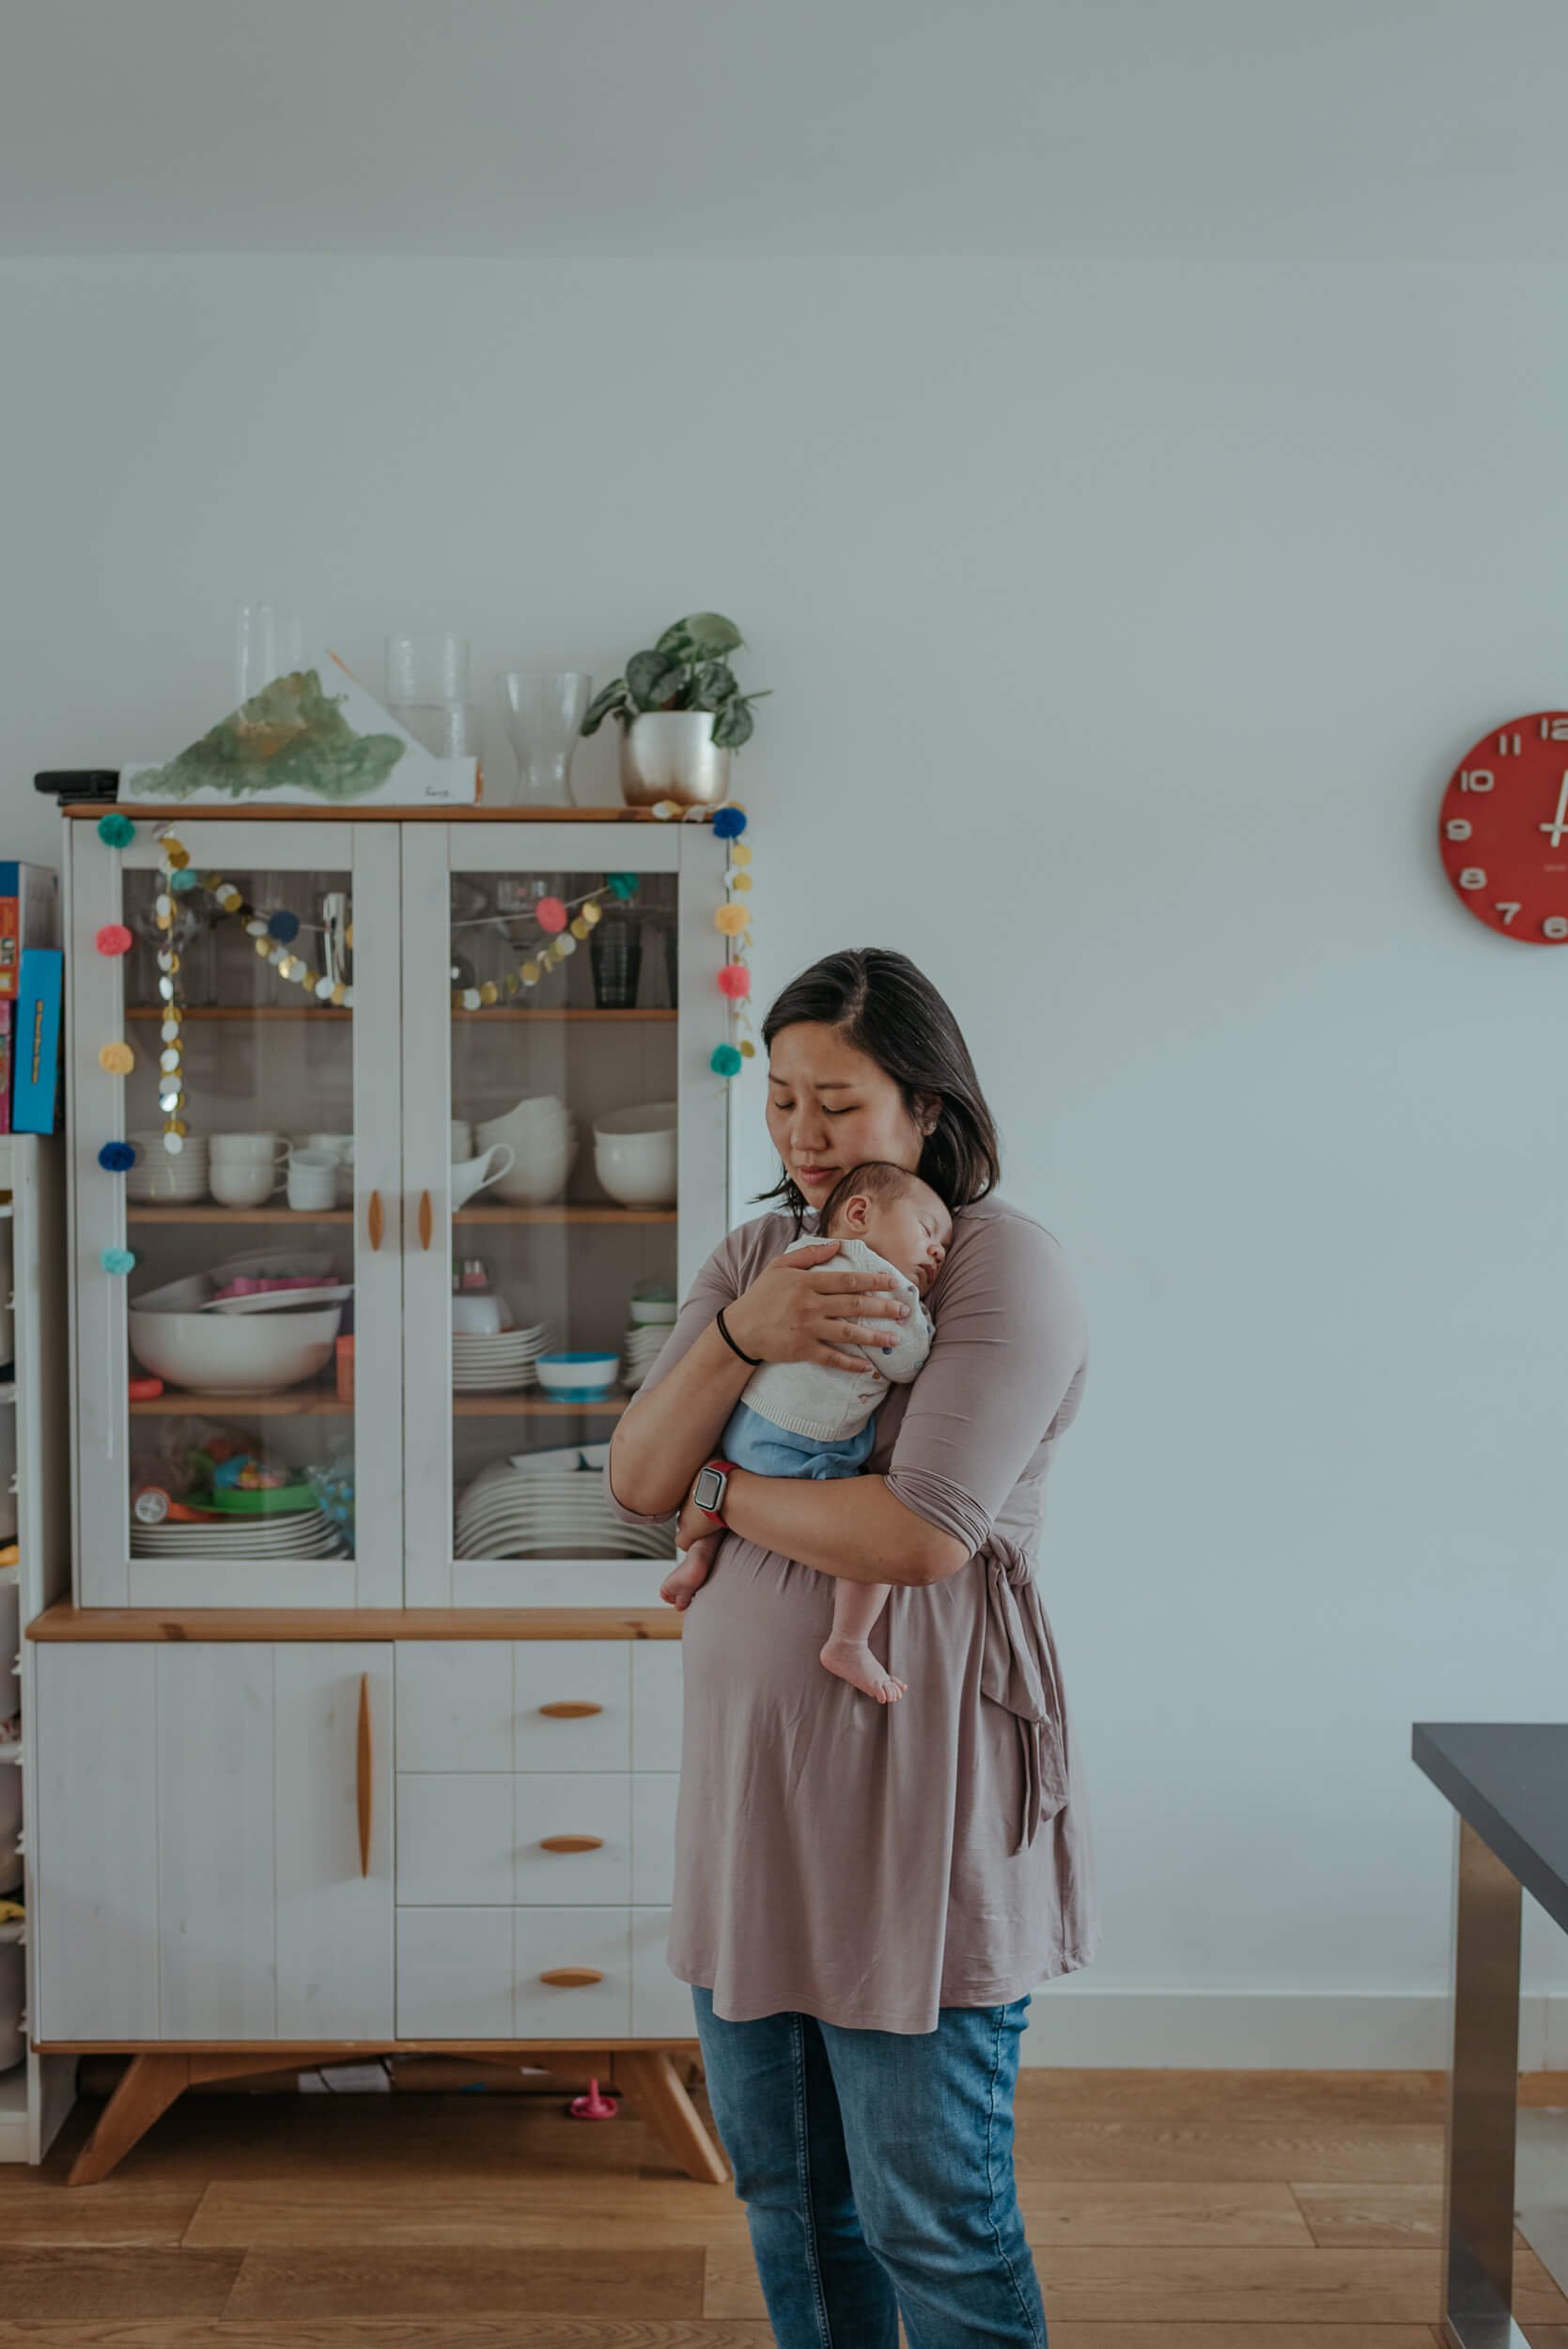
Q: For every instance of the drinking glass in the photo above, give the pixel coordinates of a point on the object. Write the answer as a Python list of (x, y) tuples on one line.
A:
[(427, 669), (544, 708), (267, 642), (615, 951)]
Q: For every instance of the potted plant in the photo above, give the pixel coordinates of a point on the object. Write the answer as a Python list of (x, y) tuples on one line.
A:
[(681, 712)]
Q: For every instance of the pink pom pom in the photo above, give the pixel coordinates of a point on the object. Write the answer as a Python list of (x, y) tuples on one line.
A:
[(735, 981), (552, 913), (113, 939)]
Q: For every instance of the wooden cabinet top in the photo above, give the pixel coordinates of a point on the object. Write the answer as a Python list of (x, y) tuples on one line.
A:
[(65, 1622), (285, 811)]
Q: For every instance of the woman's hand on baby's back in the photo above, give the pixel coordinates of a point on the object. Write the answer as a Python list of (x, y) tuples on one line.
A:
[(806, 1307)]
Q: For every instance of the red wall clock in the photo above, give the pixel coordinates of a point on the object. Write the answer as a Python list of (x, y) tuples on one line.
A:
[(1503, 830)]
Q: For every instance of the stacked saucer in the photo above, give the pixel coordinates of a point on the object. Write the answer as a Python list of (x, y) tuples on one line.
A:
[(558, 1513), (651, 1311), (299, 1533), (640, 1351), (162, 1178), (499, 1361)]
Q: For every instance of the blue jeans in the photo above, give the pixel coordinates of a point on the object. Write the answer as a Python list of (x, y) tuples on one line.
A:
[(877, 2171), (751, 1442)]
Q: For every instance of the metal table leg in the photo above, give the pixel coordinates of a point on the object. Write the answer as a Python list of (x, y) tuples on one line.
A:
[(1483, 2106)]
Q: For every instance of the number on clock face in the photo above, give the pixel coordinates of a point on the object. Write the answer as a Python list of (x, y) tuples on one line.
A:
[(1502, 831)]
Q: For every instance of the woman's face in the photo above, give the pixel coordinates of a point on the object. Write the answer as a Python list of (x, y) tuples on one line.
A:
[(831, 1107)]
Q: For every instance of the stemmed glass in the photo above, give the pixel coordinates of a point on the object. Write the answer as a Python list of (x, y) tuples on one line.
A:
[(544, 708)]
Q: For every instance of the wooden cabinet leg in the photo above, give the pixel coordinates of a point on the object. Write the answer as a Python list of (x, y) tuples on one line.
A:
[(150, 2086), (650, 2078)]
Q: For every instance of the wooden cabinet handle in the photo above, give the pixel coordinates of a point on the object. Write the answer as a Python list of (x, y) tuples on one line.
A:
[(426, 1220), (374, 1220), (568, 1709), (571, 1843), (572, 1977), (366, 1783)]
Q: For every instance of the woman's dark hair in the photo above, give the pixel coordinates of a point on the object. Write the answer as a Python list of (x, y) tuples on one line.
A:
[(888, 1009)]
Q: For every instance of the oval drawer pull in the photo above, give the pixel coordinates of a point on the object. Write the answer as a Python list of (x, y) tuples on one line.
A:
[(571, 1843), (570, 1709), (572, 1977)]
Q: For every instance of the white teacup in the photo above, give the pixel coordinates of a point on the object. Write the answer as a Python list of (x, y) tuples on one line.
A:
[(471, 1175), (248, 1150), (312, 1180), (242, 1182)]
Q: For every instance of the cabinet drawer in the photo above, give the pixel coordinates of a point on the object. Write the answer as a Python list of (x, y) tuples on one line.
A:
[(454, 1705), (660, 2002), (566, 1672), (551, 1807), (653, 1836), (656, 1702), (455, 1840), (551, 1939)]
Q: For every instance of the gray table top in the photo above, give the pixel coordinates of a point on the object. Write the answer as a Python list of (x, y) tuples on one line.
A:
[(1509, 1780)]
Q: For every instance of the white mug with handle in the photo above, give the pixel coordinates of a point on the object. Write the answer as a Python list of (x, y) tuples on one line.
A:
[(471, 1175)]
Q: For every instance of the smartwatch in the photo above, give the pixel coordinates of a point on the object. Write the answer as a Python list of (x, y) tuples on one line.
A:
[(710, 1487)]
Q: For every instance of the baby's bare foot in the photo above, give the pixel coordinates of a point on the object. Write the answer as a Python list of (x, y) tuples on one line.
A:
[(682, 1582), (853, 1661)]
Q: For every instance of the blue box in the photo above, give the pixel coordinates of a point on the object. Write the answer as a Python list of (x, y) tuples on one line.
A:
[(36, 1042)]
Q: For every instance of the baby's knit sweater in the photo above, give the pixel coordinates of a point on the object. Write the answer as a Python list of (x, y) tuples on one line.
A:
[(816, 1398)]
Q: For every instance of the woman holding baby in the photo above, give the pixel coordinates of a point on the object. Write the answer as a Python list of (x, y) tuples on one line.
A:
[(867, 1892)]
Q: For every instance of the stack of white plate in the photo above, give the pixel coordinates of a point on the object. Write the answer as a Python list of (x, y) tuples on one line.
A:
[(292, 1534), (561, 1512), (159, 1177), (502, 1360), (641, 1345)]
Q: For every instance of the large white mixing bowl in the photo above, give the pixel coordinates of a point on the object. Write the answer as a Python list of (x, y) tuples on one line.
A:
[(634, 1154), (234, 1353)]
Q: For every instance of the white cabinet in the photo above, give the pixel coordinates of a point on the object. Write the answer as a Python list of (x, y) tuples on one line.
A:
[(217, 1825), (457, 1040)]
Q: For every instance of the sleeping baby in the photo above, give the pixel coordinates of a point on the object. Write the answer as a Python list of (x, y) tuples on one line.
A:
[(812, 1419)]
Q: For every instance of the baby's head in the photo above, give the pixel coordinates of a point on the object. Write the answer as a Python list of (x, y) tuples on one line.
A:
[(895, 1213)]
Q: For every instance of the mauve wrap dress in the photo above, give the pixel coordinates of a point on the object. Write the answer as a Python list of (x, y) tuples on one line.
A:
[(869, 1863)]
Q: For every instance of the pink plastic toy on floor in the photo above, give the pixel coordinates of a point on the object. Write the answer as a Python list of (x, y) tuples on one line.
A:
[(593, 2107)]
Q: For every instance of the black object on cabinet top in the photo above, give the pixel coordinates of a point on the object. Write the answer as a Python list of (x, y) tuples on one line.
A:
[(1509, 1780)]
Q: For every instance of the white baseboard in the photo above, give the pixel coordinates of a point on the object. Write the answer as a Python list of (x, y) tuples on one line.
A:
[(1242, 2030)]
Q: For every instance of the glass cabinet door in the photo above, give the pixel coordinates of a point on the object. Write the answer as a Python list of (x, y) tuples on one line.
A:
[(566, 1167), (239, 1335)]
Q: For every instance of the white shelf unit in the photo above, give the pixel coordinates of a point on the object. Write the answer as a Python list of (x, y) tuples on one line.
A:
[(37, 2094)]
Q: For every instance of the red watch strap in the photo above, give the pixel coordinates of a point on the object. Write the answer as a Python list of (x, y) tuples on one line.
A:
[(727, 1468)]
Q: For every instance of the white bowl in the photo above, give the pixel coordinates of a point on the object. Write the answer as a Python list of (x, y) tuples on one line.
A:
[(634, 1154), (577, 1373), (653, 1313), (538, 1118), (234, 1354), (537, 1176)]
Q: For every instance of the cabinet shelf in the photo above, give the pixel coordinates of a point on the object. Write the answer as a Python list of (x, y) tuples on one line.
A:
[(339, 1011), (565, 1214), (239, 1215), (325, 1403)]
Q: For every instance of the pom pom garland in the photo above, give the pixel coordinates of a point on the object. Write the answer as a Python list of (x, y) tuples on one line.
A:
[(551, 915), (735, 981), (731, 920), (113, 939), (115, 830), (725, 1061), (117, 1259), (728, 823), (284, 925), (115, 1157), (118, 1059)]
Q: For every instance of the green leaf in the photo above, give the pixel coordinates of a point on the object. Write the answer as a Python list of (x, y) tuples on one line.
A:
[(653, 677), (732, 725), (674, 639), (715, 685), (602, 703), (710, 635)]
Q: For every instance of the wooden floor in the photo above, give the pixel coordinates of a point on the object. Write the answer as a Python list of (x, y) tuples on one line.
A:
[(1168, 2210)]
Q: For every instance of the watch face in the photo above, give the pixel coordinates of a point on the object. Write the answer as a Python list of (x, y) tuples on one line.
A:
[(1504, 828), (709, 1489)]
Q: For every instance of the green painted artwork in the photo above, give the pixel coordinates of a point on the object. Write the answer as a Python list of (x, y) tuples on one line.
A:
[(291, 737)]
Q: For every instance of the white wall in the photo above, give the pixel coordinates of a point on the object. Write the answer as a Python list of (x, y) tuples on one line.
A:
[(1124, 623)]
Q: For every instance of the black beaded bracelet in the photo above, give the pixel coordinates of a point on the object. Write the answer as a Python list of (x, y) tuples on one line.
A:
[(756, 1359)]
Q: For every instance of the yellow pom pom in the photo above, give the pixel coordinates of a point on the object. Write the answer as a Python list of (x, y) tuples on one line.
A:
[(731, 920), (118, 1059), (740, 881)]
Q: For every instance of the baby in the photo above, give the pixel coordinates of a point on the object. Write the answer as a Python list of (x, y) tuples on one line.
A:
[(812, 1419)]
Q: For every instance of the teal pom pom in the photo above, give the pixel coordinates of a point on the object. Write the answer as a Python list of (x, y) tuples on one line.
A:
[(725, 1061), (184, 878), (728, 823), (621, 884), (115, 830), (117, 1259)]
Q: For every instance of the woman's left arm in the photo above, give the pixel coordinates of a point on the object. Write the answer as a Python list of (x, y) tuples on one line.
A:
[(1010, 1343)]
